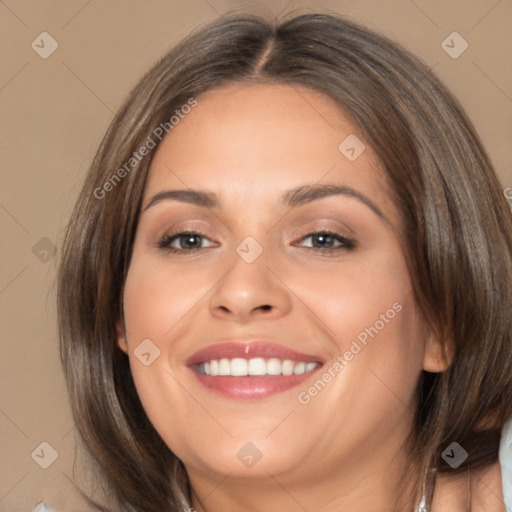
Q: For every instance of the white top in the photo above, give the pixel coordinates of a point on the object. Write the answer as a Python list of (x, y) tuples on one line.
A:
[(506, 464)]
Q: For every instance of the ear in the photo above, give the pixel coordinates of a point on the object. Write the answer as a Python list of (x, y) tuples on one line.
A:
[(438, 355), (121, 336)]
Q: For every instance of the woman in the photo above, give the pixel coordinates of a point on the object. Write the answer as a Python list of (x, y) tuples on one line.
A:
[(286, 284)]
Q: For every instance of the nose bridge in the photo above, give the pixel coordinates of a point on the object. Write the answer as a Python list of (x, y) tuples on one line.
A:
[(249, 287)]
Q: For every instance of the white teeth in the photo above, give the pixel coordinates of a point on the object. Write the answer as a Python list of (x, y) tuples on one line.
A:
[(309, 367), (274, 366), (287, 367), (257, 366), (239, 367), (299, 368), (224, 367)]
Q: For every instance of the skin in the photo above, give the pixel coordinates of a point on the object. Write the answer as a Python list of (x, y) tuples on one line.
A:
[(342, 451)]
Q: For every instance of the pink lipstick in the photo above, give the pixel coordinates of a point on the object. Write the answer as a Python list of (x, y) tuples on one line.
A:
[(242, 370)]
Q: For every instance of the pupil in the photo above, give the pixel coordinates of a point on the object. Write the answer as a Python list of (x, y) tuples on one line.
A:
[(323, 240), (190, 240)]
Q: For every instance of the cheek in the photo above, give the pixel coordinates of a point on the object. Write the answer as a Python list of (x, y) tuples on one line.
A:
[(161, 304), (157, 297), (354, 294), (368, 310)]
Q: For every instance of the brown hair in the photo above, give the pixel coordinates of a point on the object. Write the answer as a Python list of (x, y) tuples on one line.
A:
[(457, 238)]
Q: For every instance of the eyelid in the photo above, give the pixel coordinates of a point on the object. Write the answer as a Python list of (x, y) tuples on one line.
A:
[(179, 225), (324, 225), (346, 242)]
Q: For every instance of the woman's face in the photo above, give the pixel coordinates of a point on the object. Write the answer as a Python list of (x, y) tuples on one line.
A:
[(279, 335)]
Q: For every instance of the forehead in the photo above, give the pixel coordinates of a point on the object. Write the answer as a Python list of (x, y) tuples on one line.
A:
[(265, 138)]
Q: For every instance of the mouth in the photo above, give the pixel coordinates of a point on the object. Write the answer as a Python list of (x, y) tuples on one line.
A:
[(258, 366), (251, 370)]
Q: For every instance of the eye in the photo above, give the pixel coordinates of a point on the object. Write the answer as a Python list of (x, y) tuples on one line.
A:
[(327, 241), (185, 241)]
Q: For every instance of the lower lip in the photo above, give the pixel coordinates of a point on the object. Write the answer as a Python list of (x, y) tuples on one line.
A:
[(252, 388)]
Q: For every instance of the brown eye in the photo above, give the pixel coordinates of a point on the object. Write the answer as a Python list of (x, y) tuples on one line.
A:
[(185, 241), (327, 241)]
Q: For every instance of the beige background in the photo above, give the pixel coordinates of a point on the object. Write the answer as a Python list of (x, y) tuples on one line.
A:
[(53, 114)]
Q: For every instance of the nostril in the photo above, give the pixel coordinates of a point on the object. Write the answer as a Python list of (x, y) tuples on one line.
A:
[(266, 307)]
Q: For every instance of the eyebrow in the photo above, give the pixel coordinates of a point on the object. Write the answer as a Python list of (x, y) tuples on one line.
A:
[(197, 197), (308, 193), (292, 198)]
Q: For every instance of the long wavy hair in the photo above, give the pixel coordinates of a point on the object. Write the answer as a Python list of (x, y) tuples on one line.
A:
[(457, 239)]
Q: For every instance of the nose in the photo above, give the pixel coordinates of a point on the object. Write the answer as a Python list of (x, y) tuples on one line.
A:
[(250, 291)]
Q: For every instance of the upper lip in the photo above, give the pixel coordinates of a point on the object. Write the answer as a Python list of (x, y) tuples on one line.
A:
[(248, 350)]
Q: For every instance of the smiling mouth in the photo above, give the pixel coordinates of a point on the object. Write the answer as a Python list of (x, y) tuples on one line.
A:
[(251, 370), (254, 367)]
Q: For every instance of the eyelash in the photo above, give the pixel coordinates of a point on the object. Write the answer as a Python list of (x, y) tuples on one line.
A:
[(166, 241), (346, 243)]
